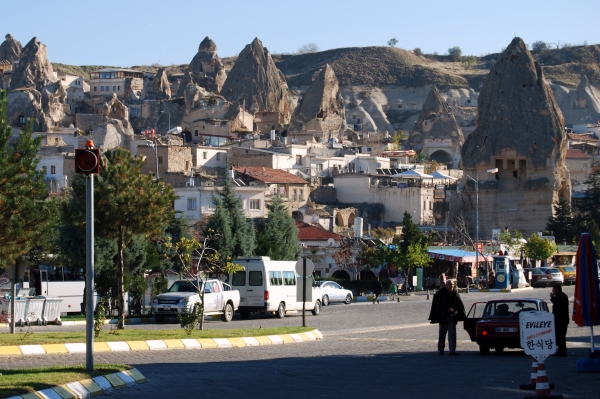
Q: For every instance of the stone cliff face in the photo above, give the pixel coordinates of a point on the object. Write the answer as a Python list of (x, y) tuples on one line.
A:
[(520, 131), (437, 132), (580, 105), (205, 70), (34, 69), (161, 84), (10, 49), (321, 108), (256, 81)]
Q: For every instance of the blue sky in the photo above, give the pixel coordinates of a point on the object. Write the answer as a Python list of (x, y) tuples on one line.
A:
[(126, 33)]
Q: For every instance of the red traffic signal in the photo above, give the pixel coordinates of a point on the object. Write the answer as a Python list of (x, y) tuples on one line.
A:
[(87, 161)]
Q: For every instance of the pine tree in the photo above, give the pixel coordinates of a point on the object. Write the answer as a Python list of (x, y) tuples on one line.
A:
[(25, 209), (561, 224), (410, 232), (588, 207), (128, 203), (278, 237)]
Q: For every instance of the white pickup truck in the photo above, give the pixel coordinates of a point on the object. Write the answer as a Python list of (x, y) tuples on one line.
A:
[(219, 298)]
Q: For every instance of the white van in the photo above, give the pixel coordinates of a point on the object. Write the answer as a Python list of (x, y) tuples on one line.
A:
[(267, 285)]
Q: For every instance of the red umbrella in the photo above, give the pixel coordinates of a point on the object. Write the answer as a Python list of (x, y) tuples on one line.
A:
[(586, 305)]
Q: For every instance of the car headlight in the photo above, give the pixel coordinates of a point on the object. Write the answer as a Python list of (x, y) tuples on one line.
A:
[(155, 301), (183, 301)]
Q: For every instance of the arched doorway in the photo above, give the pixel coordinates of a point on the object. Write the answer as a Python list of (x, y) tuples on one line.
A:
[(339, 220), (351, 219), (442, 157), (297, 215), (341, 274), (366, 275)]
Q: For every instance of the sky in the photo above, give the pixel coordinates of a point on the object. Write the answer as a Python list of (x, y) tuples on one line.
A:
[(127, 33)]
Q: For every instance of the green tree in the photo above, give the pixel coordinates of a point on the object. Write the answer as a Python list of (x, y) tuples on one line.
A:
[(278, 237), (513, 242), (410, 233), (417, 256), (539, 248), (562, 224), (128, 203), (233, 236), (392, 42), (397, 139), (455, 52), (539, 45), (587, 208), (418, 51), (25, 209), (468, 61)]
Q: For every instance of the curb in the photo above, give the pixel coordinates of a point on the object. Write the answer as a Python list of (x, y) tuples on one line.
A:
[(132, 320), (159, 344), (464, 290), (90, 387)]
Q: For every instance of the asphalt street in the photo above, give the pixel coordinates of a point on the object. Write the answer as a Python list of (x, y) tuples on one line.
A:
[(368, 351)]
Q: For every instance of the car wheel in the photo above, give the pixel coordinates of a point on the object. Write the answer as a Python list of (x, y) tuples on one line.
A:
[(280, 311), (499, 349), (245, 314), (325, 300), (348, 299), (484, 350), (317, 308), (227, 315)]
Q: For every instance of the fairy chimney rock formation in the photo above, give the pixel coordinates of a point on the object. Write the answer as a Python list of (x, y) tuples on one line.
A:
[(436, 132), (10, 49), (160, 84), (520, 131), (256, 82), (34, 69), (321, 108), (206, 69)]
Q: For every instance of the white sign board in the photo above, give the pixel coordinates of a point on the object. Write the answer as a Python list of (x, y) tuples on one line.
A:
[(310, 267), (538, 333)]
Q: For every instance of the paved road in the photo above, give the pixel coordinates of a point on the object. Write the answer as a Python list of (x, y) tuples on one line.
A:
[(367, 351)]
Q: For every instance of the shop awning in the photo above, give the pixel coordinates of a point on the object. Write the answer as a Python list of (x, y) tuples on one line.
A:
[(458, 255)]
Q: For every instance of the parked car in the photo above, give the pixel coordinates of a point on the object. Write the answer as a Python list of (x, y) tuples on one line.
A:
[(555, 273), (181, 297), (495, 324), (569, 274), (538, 277), (333, 292)]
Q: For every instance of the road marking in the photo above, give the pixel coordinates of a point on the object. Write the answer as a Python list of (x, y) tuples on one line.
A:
[(374, 329)]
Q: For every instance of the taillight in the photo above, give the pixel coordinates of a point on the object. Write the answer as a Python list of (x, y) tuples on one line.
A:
[(548, 272), (266, 295), (481, 330)]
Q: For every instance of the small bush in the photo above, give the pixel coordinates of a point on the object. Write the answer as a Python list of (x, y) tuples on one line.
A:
[(188, 320)]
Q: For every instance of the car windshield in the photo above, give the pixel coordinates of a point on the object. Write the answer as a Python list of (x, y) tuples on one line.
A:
[(568, 269), (182, 286), (507, 308)]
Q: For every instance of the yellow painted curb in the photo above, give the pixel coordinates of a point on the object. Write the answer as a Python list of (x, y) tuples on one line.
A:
[(237, 342), (64, 392), (10, 351), (145, 319), (115, 380), (264, 340), (304, 336), (55, 348), (207, 343), (136, 375), (92, 387), (287, 338), (138, 345), (101, 347), (31, 395), (174, 343)]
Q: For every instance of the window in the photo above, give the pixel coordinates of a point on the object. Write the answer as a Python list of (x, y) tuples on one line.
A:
[(114, 88), (118, 87), (218, 156), (430, 205), (22, 120), (191, 206), (95, 88), (204, 155), (160, 159), (294, 195), (254, 204), (275, 278), (289, 278), (196, 133), (101, 88), (52, 170), (301, 195), (255, 279), (211, 204), (239, 279), (299, 159)]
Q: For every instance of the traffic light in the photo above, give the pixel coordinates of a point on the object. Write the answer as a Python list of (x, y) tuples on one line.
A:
[(87, 161)]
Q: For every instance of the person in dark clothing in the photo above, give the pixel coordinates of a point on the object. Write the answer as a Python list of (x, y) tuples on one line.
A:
[(560, 308), (447, 309), (377, 289)]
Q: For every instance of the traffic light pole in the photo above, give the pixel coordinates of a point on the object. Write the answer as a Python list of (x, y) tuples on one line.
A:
[(89, 273)]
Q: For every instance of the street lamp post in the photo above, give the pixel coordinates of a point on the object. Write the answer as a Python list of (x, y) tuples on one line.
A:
[(153, 145)]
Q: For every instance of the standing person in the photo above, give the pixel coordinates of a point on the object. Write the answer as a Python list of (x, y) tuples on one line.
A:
[(447, 309), (393, 290), (560, 308), (377, 289), (492, 279)]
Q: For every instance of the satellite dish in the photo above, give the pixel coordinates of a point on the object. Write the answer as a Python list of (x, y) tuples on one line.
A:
[(330, 242)]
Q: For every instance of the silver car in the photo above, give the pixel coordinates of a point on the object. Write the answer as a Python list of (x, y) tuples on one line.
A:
[(557, 276), (333, 292)]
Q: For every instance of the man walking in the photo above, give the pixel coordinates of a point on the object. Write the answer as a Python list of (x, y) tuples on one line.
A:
[(560, 308), (447, 309), (377, 289)]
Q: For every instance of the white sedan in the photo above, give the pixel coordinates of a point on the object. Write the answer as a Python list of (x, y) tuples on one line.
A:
[(333, 292)]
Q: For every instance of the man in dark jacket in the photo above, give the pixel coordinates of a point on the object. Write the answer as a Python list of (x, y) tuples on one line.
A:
[(447, 309), (377, 289), (560, 308)]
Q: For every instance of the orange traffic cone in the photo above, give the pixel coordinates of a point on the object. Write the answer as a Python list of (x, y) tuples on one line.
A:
[(530, 386), (542, 388)]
